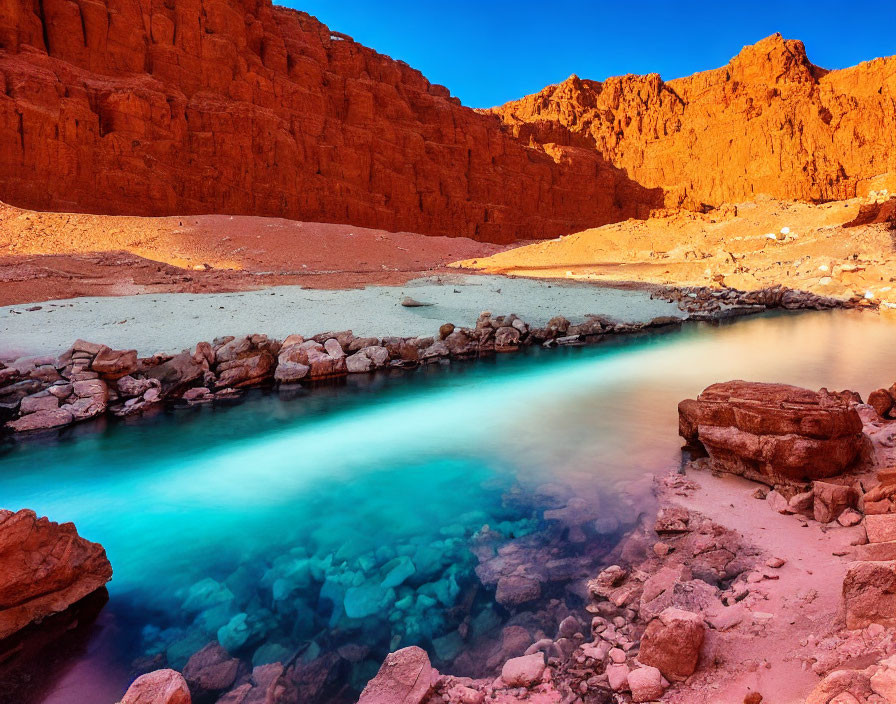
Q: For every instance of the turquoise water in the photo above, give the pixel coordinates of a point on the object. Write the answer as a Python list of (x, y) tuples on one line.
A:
[(371, 514)]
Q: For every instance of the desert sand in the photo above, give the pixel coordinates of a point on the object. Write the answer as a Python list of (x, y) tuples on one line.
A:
[(749, 246), (63, 255)]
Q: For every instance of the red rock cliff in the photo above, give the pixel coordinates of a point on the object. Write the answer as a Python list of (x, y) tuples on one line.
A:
[(153, 107), (769, 122)]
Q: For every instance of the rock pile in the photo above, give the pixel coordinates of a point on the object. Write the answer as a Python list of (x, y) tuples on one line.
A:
[(45, 567), (774, 433), (873, 684), (869, 588), (702, 303), (91, 380)]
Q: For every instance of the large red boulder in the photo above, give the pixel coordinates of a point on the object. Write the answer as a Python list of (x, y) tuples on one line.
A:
[(774, 433), (672, 642), (45, 567)]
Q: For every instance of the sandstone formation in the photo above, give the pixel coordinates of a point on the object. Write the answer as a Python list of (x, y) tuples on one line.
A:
[(770, 122), (243, 107), (45, 567), (773, 433)]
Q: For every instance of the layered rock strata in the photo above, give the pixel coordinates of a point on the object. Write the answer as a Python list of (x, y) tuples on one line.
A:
[(244, 107), (774, 433)]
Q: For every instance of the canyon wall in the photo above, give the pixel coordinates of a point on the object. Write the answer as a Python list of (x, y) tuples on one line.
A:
[(168, 107), (161, 107), (770, 122)]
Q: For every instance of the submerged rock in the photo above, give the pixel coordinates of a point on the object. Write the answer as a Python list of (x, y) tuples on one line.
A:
[(45, 567), (211, 669), (523, 671)]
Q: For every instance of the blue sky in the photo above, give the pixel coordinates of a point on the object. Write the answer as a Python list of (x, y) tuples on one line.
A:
[(487, 53)]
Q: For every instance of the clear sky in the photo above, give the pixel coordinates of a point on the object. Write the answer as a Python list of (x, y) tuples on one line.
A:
[(489, 52)]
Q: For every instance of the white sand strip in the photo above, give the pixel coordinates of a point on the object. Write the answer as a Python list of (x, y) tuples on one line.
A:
[(173, 321)]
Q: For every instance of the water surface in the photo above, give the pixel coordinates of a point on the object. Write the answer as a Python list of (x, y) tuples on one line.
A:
[(297, 523)]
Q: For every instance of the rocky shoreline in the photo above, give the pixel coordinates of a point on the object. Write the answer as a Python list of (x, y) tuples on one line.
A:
[(91, 380)]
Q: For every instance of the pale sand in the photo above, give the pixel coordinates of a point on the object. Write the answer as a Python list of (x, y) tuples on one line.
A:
[(170, 322)]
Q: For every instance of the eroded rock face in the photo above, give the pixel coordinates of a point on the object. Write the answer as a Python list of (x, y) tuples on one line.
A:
[(769, 113), (243, 107), (45, 567), (774, 433)]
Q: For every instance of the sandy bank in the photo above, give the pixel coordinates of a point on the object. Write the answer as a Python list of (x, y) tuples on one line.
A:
[(45, 256), (170, 322), (815, 248)]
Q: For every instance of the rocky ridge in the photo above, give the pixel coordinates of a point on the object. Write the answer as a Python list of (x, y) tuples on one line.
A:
[(770, 122)]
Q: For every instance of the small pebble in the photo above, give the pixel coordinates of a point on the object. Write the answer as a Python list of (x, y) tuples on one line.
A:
[(775, 562)]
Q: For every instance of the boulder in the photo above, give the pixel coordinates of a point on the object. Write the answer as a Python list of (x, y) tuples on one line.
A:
[(178, 372), (830, 500), (114, 363), (880, 528), (672, 643), (45, 567), (321, 363), (367, 359), (211, 669), (831, 690), (158, 687), (405, 677), (516, 589), (507, 339), (41, 420), (881, 401), (267, 685), (617, 677), (130, 387), (646, 684), (869, 594), (461, 342), (523, 671), (774, 433), (246, 371), (42, 401)]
